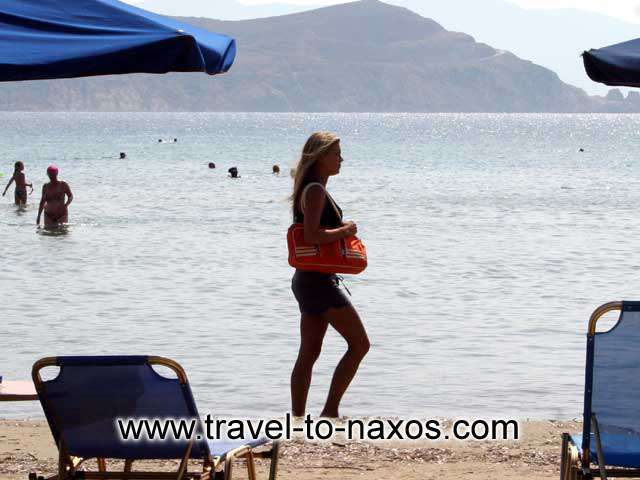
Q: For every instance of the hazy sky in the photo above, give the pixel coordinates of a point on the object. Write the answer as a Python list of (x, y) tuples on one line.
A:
[(628, 10), (625, 9)]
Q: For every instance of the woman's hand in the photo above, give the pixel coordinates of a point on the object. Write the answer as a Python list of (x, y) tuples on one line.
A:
[(350, 228)]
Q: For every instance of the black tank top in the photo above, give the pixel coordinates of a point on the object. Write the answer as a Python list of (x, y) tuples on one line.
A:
[(329, 217)]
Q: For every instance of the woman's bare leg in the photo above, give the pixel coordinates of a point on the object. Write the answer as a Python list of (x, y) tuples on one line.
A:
[(312, 331), (348, 324)]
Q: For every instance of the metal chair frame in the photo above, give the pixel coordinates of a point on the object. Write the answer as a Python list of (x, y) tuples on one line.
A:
[(574, 466), (213, 468)]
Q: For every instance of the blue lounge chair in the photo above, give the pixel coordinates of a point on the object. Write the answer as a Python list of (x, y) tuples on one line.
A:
[(83, 402), (610, 442)]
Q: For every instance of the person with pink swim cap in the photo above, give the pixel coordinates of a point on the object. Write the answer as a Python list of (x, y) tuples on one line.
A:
[(53, 200)]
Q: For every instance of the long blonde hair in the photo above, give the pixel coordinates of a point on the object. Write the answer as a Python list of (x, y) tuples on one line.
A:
[(317, 145)]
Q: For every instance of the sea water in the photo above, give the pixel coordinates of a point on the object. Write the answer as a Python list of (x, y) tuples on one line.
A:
[(491, 238)]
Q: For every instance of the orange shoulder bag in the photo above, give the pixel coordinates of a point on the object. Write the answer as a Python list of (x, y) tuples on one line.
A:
[(347, 255)]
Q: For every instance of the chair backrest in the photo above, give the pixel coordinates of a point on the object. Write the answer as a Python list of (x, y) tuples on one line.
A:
[(612, 386), (82, 405)]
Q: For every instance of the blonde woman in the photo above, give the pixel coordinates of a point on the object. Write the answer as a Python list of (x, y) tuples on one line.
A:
[(322, 302)]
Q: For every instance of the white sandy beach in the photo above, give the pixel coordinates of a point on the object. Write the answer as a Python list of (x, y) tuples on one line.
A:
[(27, 446)]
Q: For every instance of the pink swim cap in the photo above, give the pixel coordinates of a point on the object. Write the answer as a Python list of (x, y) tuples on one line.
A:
[(52, 170)]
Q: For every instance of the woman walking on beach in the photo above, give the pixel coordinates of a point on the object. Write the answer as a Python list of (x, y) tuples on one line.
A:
[(20, 194), (53, 200), (322, 302)]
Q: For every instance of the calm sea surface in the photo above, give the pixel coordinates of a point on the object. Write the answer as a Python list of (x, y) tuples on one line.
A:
[(491, 239)]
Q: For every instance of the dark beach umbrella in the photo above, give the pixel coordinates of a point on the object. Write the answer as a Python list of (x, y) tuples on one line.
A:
[(616, 65), (46, 39)]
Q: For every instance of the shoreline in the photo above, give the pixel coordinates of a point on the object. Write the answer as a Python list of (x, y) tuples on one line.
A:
[(27, 445)]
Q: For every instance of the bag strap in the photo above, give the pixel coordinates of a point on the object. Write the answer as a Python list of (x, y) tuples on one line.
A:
[(331, 200)]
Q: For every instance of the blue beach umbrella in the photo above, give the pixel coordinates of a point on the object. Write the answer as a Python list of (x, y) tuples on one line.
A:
[(616, 65), (47, 39)]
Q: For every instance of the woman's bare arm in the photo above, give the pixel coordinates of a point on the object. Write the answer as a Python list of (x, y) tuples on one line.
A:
[(41, 207), (67, 190)]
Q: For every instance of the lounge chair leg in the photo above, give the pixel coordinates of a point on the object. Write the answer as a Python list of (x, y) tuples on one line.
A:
[(596, 431), (569, 459), (65, 464), (251, 466), (228, 467), (184, 463), (128, 465), (273, 468), (563, 456), (102, 465)]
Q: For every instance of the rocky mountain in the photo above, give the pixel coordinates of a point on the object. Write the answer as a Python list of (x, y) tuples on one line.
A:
[(553, 38), (365, 56), (499, 23), (219, 9)]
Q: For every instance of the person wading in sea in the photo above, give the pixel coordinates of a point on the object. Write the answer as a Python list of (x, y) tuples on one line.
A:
[(20, 194), (53, 200), (321, 301)]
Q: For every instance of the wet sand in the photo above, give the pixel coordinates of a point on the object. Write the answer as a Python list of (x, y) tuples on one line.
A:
[(27, 446)]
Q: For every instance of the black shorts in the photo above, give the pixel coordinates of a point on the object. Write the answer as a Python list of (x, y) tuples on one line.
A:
[(20, 195), (317, 292)]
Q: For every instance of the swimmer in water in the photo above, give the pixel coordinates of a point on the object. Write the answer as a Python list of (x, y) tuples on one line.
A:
[(275, 170), (53, 200), (20, 194), (123, 155), (212, 165), (233, 172)]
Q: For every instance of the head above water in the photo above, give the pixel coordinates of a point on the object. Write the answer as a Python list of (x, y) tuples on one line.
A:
[(212, 165), (18, 166), (320, 158), (52, 172), (233, 171)]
